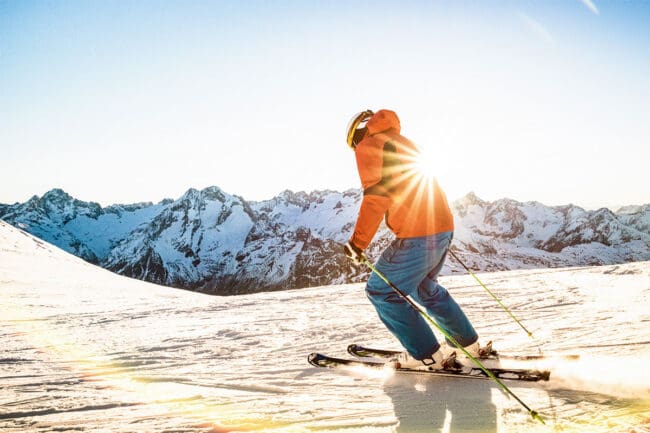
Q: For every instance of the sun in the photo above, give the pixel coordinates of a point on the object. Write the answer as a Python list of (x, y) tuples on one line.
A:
[(426, 163)]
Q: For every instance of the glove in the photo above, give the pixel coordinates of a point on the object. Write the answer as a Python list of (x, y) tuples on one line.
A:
[(354, 253)]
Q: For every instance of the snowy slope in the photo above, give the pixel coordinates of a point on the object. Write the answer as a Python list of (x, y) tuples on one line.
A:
[(216, 242), (86, 350)]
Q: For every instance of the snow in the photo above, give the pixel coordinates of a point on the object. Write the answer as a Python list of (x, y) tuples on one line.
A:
[(85, 349), (321, 212), (100, 234), (542, 225), (231, 235)]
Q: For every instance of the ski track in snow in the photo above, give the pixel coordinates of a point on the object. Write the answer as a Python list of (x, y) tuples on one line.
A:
[(86, 350)]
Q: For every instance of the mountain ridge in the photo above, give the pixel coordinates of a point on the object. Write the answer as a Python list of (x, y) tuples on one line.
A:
[(211, 241)]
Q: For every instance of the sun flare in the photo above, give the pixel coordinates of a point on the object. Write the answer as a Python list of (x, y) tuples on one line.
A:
[(426, 163)]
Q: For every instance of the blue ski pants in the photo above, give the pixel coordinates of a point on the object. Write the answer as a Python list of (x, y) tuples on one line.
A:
[(413, 265)]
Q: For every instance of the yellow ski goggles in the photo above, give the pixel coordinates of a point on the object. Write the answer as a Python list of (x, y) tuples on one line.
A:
[(356, 125)]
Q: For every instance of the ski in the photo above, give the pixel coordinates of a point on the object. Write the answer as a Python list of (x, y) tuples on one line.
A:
[(367, 352), (465, 371)]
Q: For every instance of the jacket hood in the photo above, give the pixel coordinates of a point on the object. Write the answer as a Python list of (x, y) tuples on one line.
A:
[(382, 121)]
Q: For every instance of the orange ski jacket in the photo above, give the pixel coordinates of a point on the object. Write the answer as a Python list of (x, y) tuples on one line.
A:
[(393, 188)]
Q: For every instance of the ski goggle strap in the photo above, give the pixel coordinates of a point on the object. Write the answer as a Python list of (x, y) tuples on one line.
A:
[(358, 122)]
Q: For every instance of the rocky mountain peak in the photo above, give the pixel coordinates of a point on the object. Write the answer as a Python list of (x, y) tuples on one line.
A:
[(469, 199), (57, 194)]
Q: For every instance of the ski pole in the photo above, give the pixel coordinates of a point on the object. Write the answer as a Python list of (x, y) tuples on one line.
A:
[(491, 375), (507, 310)]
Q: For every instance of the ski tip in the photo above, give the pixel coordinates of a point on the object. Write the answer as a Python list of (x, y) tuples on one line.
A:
[(312, 358), (352, 348)]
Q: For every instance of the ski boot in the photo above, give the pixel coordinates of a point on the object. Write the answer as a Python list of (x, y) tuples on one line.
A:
[(437, 361)]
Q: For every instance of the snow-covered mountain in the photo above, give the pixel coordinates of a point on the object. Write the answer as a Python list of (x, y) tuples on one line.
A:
[(506, 234), (215, 242)]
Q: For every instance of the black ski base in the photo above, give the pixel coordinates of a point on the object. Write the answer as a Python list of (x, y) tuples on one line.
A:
[(466, 371), (367, 352)]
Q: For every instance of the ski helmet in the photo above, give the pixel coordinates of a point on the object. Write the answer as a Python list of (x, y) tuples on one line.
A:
[(357, 127)]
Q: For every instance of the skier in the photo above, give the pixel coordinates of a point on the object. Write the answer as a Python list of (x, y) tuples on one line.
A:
[(416, 210)]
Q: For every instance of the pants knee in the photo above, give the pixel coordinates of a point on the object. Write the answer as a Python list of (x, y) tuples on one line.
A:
[(435, 293), (382, 296)]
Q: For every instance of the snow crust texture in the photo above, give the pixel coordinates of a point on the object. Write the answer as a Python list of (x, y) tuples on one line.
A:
[(84, 349), (214, 242)]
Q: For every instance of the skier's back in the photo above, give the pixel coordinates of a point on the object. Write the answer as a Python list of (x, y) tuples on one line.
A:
[(416, 210)]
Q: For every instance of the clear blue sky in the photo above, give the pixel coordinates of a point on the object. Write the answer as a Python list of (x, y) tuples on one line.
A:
[(120, 102)]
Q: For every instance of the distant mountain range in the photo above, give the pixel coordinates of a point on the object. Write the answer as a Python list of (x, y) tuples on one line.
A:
[(214, 242)]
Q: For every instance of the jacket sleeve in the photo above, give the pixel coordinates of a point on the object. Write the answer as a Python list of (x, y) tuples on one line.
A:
[(376, 200), (373, 209)]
